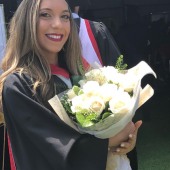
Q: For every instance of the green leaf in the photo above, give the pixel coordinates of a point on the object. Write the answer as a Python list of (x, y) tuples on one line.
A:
[(119, 64), (110, 82), (81, 68), (131, 93), (76, 90), (106, 105), (93, 117), (80, 118), (80, 92), (68, 109), (87, 123), (105, 115), (75, 80)]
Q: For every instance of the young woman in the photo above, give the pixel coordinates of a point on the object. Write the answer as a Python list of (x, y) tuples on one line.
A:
[(43, 34)]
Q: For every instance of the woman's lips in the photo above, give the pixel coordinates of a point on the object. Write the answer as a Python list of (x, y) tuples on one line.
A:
[(55, 37)]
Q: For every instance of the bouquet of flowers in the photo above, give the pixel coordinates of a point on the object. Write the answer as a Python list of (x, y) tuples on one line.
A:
[(106, 100)]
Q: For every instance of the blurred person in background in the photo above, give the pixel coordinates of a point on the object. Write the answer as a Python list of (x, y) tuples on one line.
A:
[(97, 36)]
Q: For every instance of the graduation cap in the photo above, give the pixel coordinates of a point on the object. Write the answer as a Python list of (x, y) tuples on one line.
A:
[(78, 2)]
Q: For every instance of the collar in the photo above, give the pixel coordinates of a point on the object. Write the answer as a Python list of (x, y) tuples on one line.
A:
[(75, 15), (56, 70)]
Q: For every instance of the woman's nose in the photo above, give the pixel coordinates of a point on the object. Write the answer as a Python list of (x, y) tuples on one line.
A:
[(56, 24)]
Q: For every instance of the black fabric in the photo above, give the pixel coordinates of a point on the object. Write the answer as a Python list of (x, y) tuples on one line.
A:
[(108, 48), (40, 140), (78, 2), (6, 160)]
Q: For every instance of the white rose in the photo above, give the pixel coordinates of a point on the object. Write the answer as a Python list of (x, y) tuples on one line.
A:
[(120, 103), (82, 83), (106, 91), (109, 72), (128, 82), (96, 75), (112, 74), (71, 94), (79, 103), (96, 104), (90, 87)]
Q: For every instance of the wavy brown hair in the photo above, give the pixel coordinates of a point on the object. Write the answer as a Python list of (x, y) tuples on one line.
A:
[(24, 55)]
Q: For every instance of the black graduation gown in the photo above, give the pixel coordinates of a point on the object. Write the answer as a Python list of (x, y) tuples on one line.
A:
[(40, 140), (108, 48)]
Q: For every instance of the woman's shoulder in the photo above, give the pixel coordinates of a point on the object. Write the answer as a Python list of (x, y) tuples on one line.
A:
[(17, 82), (15, 77)]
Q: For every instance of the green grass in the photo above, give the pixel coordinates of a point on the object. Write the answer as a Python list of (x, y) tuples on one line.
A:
[(153, 143)]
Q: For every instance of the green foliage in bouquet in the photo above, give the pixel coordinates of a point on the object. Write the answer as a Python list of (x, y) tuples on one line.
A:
[(131, 93), (76, 79), (81, 69), (66, 103), (119, 64), (84, 117)]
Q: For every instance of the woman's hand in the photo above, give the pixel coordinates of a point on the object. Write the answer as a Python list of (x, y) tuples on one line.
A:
[(122, 136), (129, 145)]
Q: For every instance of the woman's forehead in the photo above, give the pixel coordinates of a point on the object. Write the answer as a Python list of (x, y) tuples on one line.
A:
[(54, 4)]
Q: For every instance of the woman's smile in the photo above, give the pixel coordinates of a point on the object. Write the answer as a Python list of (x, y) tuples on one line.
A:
[(55, 37)]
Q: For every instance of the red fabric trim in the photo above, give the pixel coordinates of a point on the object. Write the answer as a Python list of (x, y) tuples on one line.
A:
[(86, 64), (11, 155), (93, 41), (55, 69)]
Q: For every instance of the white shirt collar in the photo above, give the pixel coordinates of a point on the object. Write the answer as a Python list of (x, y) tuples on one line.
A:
[(75, 15)]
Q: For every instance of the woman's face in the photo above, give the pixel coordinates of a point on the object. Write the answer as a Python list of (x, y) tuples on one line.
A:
[(54, 26)]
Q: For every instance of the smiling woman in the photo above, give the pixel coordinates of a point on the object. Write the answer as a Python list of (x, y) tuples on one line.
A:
[(43, 35)]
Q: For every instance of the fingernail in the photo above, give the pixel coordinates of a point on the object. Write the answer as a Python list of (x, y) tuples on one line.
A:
[(130, 135), (122, 145), (118, 150)]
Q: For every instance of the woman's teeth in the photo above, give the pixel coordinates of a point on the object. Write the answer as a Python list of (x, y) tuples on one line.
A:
[(54, 36)]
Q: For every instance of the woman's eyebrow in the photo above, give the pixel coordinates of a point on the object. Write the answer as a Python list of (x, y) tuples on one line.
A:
[(66, 11), (51, 10), (46, 9)]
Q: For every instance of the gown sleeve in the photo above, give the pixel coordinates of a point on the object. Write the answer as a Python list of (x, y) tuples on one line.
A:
[(40, 140), (108, 48)]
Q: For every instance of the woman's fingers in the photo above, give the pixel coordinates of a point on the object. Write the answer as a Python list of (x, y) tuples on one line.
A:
[(126, 147), (120, 151), (137, 126), (132, 139)]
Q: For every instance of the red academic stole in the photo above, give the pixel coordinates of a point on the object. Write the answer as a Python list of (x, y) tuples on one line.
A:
[(12, 162), (90, 50)]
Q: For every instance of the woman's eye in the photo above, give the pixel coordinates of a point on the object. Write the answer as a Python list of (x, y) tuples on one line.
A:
[(65, 16), (45, 15)]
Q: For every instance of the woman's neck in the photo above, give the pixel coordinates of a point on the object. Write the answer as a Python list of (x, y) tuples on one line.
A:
[(53, 58)]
